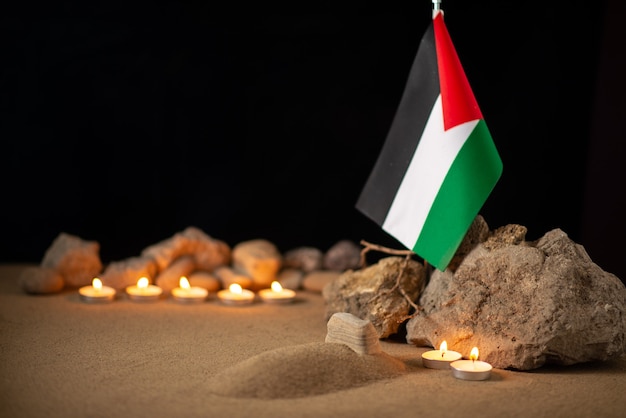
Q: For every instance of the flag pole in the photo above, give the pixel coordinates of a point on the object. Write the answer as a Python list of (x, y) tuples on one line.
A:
[(436, 7)]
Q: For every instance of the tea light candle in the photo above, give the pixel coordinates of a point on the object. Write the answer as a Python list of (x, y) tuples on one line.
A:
[(236, 295), (276, 294), (144, 291), (440, 359), (96, 292), (471, 369), (185, 293)]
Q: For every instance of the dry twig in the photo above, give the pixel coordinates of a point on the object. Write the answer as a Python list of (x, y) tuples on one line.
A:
[(368, 246)]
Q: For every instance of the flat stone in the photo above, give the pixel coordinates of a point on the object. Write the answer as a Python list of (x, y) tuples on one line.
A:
[(358, 334)]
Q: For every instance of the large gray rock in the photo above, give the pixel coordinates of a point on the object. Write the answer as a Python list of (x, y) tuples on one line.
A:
[(525, 304), (371, 293)]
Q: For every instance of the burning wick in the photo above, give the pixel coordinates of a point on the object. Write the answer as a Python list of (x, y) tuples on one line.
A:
[(474, 356)]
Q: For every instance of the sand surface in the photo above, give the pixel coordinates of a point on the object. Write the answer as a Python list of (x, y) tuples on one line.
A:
[(61, 357)]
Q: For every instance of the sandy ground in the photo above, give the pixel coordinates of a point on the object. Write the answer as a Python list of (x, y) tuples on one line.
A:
[(61, 357)]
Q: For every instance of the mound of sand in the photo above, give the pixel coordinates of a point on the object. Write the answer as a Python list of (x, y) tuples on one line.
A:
[(304, 370)]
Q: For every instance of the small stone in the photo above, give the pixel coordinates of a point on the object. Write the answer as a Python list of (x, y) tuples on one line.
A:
[(228, 276), (342, 256), (208, 252), (41, 280), (315, 281), (169, 278), (307, 259), (356, 333), (121, 274), (205, 280), (290, 278), (77, 260), (258, 259)]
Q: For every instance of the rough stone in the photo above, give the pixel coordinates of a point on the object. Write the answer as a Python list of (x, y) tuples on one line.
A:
[(525, 304), (40, 280), (77, 260), (290, 278), (208, 252), (504, 236), (228, 276), (371, 293), (342, 256), (356, 333), (307, 259), (258, 259), (123, 273), (315, 281), (478, 232), (205, 280), (169, 278)]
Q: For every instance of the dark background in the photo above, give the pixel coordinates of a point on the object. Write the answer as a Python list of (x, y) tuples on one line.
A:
[(126, 123)]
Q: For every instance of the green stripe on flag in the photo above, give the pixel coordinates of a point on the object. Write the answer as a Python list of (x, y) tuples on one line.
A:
[(471, 178)]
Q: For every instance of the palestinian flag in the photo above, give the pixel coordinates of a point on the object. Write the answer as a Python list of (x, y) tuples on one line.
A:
[(438, 164)]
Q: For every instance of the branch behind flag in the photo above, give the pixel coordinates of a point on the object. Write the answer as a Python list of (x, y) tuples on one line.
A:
[(438, 164)]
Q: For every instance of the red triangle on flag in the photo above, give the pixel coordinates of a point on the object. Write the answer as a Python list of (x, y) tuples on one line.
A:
[(458, 101)]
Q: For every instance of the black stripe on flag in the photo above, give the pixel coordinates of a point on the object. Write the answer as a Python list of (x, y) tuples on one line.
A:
[(420, 93)]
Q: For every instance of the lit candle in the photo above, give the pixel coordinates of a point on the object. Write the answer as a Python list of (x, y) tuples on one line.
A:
[(144, 291), (189, 294), (471, 369), (440, 359), (276, 294), (96, 292), (236, 295)]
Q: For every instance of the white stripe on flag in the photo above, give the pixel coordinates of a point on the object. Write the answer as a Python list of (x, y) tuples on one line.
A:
[(427, 170)]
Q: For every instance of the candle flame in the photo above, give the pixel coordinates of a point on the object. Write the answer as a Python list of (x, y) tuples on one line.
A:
[(143, 283), (276, 287), (236, 288), (184, 283), (474, 354), (443, 347), (96, 283)]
